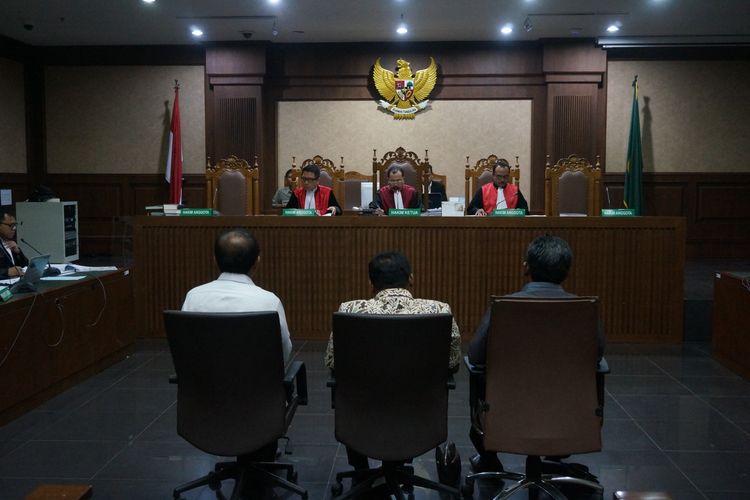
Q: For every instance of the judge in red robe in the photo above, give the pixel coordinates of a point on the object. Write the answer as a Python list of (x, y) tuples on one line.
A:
[(498, 194), (312, 195), (396, 194)]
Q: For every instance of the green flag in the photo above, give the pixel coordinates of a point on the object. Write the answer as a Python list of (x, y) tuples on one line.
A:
[(633, 197)]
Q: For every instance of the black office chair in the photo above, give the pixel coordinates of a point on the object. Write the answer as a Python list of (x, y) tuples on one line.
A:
[(233, 396), (541, 397), (391, 395)]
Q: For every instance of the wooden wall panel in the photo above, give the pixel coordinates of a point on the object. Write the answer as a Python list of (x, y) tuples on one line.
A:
[(573, 125), (715, 206), (174, 254)]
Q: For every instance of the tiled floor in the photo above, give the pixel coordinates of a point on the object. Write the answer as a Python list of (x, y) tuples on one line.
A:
[(675, 420)]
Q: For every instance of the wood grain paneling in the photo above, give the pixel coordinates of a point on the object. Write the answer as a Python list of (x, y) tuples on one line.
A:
[(461, 261), (573, 126), (715, 206)]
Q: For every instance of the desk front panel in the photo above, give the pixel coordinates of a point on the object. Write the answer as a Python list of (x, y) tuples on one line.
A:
[(62, 334), (635, 265)]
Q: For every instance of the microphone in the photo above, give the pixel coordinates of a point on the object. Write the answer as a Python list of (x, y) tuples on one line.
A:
[(50, 271), (609, 203)]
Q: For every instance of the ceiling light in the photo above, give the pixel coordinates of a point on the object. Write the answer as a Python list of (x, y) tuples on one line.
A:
[(613, 28), (402, 29), (275, 30), (506, 30), (149, 1), (196, 32), (273, 2), (527, 24)]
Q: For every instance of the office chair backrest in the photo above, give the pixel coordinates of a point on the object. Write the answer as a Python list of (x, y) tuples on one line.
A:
[(391, 392), (541, 376), (230, 370)]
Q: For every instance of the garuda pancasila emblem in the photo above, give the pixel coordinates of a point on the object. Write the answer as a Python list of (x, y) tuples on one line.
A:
[(404, 94)]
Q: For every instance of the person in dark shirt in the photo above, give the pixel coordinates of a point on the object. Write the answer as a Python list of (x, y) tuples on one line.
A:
[(548, 260)]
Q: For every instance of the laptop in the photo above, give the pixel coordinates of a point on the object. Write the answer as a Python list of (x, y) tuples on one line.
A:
[(35, 269)]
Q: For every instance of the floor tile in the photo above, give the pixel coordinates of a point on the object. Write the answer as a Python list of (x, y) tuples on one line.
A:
[(643, 384), (711, 434), (717, 386), (736, 409), (715, 471), (58, 459), (175, 462), (624, 435), (665, 407)]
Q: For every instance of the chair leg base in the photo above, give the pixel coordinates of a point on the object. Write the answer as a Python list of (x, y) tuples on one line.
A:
[(545, 483), (397, 479), (244, 475)]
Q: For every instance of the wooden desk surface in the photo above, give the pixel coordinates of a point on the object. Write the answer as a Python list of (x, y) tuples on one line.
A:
[(60, 335), (635, 265)]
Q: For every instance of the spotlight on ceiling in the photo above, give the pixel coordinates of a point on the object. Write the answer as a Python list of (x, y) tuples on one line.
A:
[(402, 29), (527, 24), (507, 29), (149, 1), (196, 32), (613, 28)]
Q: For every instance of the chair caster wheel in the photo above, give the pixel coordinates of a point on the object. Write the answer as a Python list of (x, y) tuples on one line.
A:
[(337, 489), (467, 490), (291, 476)]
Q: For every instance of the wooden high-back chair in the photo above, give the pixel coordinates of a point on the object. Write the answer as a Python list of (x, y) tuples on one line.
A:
[(481, 173), (351, 189), (415, 170), (232, 186), (572, 186), (330, 175)]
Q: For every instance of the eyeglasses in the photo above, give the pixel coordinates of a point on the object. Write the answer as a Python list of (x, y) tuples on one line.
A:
[(395, 181), (309, 179), (12, 225)]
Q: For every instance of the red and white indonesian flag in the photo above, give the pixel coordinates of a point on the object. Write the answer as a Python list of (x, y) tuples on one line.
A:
[(174, 155)]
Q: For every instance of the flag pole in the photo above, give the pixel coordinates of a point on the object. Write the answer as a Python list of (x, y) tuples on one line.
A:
[(173, 173)]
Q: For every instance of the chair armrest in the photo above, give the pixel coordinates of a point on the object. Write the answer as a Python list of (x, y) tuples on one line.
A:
[(473, 369), (296, 372), (451, 382), (173, 378), (603, 366)]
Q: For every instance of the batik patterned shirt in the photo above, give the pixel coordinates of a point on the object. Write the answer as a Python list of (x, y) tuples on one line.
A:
[(399, 301)]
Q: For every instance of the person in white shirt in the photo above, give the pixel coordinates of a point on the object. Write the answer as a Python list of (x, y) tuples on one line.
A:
[(237, 252)]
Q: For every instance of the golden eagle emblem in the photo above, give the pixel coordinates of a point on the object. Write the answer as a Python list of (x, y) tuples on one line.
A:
[(404, 94)]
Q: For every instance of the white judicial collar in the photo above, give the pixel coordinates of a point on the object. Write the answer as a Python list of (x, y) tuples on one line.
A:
[(398, 200), (310, 199), (501, 203)]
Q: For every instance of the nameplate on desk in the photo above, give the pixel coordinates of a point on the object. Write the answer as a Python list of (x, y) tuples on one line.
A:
[(509, 212), (404, 212), (298, 212), (5, 293), (618, 212), (197, 212)]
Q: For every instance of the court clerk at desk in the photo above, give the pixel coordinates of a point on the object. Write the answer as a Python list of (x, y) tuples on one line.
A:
[(396, 194), (12, 258), (312, 195), (497, 194)]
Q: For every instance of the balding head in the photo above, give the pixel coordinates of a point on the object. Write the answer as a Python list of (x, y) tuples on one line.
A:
[(236, 251)]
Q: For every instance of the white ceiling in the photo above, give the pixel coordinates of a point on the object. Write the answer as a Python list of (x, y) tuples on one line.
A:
[(168, 22)]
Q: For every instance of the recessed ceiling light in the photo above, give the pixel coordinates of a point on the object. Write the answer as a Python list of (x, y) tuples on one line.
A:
[(613, 28), (196, 32), (402, 29), (507, 29), (274, 2), (149, 1)]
